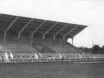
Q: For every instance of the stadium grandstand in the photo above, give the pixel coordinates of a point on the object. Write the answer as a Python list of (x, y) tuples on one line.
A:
[(30, 35)]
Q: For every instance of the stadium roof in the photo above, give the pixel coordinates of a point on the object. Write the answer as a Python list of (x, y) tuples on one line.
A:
[(32, 25)]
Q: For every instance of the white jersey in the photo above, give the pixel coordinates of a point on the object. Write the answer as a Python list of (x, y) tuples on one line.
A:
[(6, 57), (11, 56), (36, 56)]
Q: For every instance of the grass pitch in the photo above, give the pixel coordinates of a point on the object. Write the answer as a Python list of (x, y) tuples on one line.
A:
[(52, 70)]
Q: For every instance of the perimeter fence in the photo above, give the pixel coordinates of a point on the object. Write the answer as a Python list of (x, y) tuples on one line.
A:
[(48, 57)]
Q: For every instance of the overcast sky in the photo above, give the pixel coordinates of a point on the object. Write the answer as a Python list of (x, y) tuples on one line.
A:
[(86, 12)]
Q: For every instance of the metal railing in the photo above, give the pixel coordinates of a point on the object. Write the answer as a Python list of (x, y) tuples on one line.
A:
[(49, 57)]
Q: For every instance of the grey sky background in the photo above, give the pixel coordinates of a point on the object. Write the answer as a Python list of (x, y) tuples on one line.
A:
[(86, 12)]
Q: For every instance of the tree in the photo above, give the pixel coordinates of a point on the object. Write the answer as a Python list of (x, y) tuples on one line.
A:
[(103, 48), (85, 49), (96, 49)]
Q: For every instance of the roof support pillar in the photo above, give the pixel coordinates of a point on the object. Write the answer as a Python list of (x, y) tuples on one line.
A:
[(72, 40), (60, 30), (69, 32), (23, 29), (48, 31), (63, 42), (5, 33), (43, 42), (35, 31), (18, 40), (31, 41)]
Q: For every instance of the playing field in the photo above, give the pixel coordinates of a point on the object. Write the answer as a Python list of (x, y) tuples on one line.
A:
[(52, 70)]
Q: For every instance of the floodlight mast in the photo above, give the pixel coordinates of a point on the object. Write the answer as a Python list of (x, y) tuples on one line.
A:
[(5, 33)]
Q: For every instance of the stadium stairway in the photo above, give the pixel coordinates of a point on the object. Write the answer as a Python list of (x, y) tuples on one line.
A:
[(56, 48), (48, 49), (31, 49), (63, 48), (44, 49), (38, 48), (60, 48)]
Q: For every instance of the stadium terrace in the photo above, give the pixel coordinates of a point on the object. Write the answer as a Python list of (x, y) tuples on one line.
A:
[(22, 37)]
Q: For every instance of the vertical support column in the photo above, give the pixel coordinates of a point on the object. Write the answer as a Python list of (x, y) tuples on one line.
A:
[(36, 30), (72, 40), (31, 41), (5, 33), (23, 29), (70, 31), (63, 41), (19, 40), (48, 31), (43, 41), (4, 40), (54, 40), (60, 31)]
